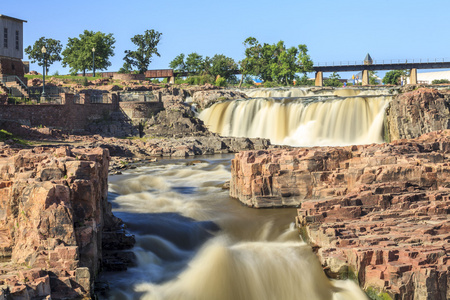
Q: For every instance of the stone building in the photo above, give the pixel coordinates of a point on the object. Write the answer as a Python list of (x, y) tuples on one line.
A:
[(11, 47)]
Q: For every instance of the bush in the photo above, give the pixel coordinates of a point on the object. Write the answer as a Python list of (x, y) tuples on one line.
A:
[(85, 82), (440, 81), (200, 80), (220, 81), (304, 80), (270, 84)]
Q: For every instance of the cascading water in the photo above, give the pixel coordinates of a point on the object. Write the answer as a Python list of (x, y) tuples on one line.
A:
[(301, 117), (195, 243)]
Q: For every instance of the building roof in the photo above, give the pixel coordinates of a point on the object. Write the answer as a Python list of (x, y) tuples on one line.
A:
[(368, 58), (11, 18)]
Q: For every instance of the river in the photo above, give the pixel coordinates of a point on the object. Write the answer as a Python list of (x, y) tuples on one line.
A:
[(194, 242)]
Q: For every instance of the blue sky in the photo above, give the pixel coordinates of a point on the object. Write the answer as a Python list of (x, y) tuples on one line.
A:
[(332, 30)]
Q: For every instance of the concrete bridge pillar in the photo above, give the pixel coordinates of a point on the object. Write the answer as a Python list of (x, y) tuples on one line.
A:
[(319, 78), (172, 79), (365, 77), (413, 76)]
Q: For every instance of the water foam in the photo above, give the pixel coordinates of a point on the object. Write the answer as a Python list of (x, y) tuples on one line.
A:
[(331, 118)]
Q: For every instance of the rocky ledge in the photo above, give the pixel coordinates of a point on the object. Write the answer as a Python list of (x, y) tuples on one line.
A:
[(375, 213), (54, 217)]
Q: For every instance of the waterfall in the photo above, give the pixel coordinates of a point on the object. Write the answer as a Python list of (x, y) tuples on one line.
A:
[(300, 117)]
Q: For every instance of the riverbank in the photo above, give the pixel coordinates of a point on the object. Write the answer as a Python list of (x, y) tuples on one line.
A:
[(42, 168)]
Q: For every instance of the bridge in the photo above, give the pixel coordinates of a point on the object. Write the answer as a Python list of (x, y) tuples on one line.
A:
[(359, 66), (369, 65)]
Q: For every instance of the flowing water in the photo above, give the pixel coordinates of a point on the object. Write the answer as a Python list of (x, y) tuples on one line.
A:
[(303, 117), (196, 243)]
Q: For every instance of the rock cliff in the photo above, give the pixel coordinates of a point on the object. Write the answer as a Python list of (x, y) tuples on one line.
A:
[(377, 213), (53, 214), (414, 113)]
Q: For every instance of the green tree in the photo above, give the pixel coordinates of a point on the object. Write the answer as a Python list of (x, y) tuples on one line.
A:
[(146, 46), (303, 80), (53, 52), (178, 63), (333, 80), (195, 63), (394, 77), (221, 65), (373, 78), (78, 52), (275, 63)]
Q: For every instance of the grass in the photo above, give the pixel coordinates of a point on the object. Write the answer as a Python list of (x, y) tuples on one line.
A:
[(5, 135), (63, 77), (374, 295)]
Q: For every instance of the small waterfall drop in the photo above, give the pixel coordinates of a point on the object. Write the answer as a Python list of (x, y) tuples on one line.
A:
[(195, 243), (253, 271), (300, 117)]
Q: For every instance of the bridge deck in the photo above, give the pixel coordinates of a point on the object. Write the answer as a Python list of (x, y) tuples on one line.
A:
[(390, 66)]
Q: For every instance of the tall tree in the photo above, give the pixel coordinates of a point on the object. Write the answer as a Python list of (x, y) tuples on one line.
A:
[(275, 62), (53, 52), (178, 63), (221, 65), (146, 46), (78, 52), (195, 63)]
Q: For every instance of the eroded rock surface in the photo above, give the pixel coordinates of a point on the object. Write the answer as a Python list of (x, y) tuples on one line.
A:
[(53, 212), (414, 113), (378, 213)]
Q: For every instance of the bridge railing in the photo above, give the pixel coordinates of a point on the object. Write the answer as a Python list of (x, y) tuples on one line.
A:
[(382, 62)]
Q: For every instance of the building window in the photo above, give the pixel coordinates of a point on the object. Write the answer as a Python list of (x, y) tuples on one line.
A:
[(17, 39), (5, 37)]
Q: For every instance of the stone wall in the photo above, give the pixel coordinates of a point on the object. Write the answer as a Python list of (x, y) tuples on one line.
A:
[(139, 96), (53, 211), (69, 115), (137, 111), (128, 77)]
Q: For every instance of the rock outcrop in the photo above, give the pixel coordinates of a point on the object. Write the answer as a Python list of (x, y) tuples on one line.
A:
[(53, 214), (377, 213), (205, 99), (414, 113)]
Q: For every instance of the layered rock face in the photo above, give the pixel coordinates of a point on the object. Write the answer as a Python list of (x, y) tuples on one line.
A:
[(53, 210), (205, 99), (376, 212), (417, 112)]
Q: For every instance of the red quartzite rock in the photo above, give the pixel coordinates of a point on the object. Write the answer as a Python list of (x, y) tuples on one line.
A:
[(378, 213), (53, 210)]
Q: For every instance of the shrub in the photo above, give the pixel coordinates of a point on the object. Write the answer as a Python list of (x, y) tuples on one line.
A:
[(440, 81), (270, 84), (85, 82), (200, 80), (220, 81)]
